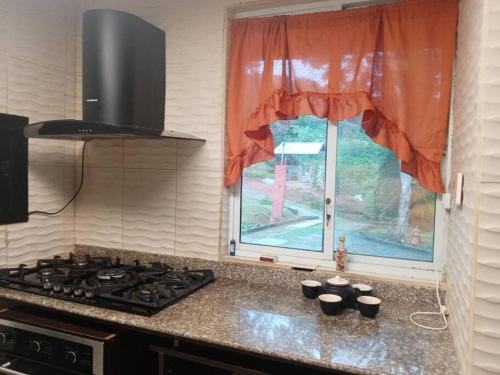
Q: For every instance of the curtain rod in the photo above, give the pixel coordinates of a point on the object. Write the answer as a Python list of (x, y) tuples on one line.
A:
[(313, 7), (367, 3)]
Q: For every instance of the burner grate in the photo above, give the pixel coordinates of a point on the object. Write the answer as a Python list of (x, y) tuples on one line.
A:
[(98, 281)]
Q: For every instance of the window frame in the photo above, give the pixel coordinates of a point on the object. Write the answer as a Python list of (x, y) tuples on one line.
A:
[(249, 250), (362, 264), (357, 263)]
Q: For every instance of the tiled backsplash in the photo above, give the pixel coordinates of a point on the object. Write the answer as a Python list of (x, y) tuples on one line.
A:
[(37, 68), (136, 196), (165, 196)]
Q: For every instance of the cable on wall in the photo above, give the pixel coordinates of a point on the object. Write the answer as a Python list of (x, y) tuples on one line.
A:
[(74, 195)]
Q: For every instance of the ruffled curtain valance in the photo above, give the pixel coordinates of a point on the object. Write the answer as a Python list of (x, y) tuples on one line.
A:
[(391, 62)]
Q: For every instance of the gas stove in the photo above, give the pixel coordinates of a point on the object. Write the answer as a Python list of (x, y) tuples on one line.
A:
[(104, 282)]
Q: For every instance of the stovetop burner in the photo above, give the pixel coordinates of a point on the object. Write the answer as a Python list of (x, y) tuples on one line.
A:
[(81, 262), (146, 294), (99, 281), (111, 274)]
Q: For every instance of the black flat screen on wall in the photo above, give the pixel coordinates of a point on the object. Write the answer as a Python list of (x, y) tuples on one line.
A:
[(13, 169)]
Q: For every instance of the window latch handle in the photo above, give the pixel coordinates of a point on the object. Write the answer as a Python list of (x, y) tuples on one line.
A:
[(328, 201)]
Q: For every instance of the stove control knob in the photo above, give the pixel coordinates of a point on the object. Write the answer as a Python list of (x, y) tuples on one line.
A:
[(67, 289), (4, 337), (89, 293), (35, 346), (71, 356), (57, 288)]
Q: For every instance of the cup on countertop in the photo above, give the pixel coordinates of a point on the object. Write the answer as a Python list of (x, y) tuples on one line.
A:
[(362, 290), (331, 304), (310, 288), (368, 306)]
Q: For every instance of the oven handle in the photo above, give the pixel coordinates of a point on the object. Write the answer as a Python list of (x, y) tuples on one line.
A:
[(5, 370)]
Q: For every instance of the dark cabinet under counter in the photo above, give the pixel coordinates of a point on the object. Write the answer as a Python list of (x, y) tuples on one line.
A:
[(182, 357)]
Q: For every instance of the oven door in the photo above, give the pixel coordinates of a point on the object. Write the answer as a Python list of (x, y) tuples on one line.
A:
[(14, 365)]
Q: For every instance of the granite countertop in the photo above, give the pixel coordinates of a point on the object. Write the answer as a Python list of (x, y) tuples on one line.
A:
[(282, 323)]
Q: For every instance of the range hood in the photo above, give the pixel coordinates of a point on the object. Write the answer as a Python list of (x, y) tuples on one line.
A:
[(123, 76)]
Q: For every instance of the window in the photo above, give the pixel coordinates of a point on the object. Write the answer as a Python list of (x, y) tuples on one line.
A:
[(281, 206), (282, 200), (381, 211), (329, 180)]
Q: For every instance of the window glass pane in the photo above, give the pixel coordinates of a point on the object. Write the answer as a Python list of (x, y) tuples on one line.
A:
[(381, 211), (282, 199)]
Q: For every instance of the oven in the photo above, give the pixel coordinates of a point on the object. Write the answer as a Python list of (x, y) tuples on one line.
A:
[(28, 350), (15, 365), (36, 342)]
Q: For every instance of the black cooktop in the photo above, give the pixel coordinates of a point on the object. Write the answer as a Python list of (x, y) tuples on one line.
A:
[(103, 282)]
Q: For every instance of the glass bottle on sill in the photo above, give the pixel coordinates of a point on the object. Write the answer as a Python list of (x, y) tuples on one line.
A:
[(341, 255)]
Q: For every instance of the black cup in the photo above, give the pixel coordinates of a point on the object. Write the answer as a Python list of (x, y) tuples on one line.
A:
[(368, 306), (331, 304), (310, 288), (362, 290)]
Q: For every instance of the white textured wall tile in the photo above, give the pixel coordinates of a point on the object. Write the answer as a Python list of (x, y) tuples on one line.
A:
[(35, 91), (72, 17), (197, 55), (474, 252), (486, 324), (3, 83), (38, 31), (3, 55), (35, 65), (198, 214), (224, 230), (78, 152), (3, 27), (150, 154), (465, 159), (487, 363), (489, 224), (50, 187), (491, 148), (491, 94), (39, 93), (70, 103), (3, 248), (104, 153), (99, 208), (51, 152), (149, 210), (195, 156)]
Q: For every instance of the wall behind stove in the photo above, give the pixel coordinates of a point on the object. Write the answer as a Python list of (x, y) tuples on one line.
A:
[(37, 80), (165, 196)]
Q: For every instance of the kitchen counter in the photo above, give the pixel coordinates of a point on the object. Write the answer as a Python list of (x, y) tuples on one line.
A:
[(280, 322)]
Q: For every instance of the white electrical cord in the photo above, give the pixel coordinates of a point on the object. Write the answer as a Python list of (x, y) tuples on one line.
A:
[(442, 311)]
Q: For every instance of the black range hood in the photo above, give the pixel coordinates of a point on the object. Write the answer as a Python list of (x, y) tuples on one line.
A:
[(123, 74)]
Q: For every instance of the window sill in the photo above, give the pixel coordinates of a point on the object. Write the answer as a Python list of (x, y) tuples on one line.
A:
[(410, 276)]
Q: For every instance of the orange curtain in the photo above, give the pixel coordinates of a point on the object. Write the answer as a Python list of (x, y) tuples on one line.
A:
[(391, 62)]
